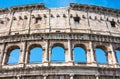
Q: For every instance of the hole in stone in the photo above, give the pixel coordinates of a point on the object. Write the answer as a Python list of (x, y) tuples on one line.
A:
[(112, 23), (76, 20)]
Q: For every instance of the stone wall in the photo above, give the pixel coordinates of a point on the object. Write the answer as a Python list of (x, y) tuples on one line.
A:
[(29, 26)]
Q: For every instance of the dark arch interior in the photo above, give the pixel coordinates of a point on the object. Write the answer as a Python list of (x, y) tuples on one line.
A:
[(58, 54)]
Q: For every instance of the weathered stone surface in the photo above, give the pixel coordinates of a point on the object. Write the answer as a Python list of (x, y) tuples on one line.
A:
[(25, 27)]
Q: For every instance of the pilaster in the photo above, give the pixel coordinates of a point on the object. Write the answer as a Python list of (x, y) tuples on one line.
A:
[(91, 53), (45, 76), (29, 19), (97, 76), (46, 53), (4, 58), (88, 55), (11, 21), (71, 76), (26, 53), (2, 53), (22, 53), (69, 55), (26, 56), (112, 55)]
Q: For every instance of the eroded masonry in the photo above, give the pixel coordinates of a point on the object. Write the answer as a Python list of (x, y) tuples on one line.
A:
[(85, 26)]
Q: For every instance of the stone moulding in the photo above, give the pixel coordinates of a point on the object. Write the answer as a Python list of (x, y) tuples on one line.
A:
[(85, 26), (60, 36)]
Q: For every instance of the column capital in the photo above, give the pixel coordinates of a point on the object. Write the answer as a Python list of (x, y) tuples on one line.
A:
[(97, 76), (18, 76), (88, 50), (45, 75), (109, 51), (43, 49), (27, 50), (21, 50), (71, 75)]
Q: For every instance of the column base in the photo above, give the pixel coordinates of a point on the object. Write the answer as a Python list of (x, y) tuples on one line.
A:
[(45, 63), (47, 30), (70, 63), (68, 29)]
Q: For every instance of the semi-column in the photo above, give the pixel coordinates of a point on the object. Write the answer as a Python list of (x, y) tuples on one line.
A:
[(97, 76), (22, 53), (49, 54), (69, 53), (71, 76), (26, 54), (111, 55), (46, 53), (4, 58), (45, 76), (2, 53), (90, 52)]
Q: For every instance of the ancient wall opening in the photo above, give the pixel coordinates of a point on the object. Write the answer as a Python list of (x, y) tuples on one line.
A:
[(101, 55), (58, 53), (35, 53), (13, 54), (79, 54), (117, 53)]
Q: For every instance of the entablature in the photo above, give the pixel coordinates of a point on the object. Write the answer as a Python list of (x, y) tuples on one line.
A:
[(95, 9), (28, 7), (62, 71), (60, 36), (4, 11)]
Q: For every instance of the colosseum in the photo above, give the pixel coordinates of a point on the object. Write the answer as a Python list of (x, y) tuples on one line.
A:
[(78, 25)]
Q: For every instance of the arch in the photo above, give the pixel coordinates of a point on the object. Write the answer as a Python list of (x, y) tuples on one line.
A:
[(100, 55), (79, 53), (35, 53), (58, 44), (117, 53), (57, 53), (13, 53)]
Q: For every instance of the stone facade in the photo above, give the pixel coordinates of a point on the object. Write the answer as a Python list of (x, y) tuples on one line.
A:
[(25, 27)]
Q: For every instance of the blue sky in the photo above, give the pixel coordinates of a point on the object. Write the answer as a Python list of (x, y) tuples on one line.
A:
[(60, 3)]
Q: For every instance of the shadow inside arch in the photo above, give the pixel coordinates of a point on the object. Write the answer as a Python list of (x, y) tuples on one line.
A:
[(13, 55)]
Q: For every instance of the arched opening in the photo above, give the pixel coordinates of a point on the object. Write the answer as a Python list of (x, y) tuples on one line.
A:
[(101, 57), (13, 55), (118, 55), (35, 54), (58, 54), (79, 54)]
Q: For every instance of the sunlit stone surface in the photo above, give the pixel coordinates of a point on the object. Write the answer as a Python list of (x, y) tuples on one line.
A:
[(84, 26)]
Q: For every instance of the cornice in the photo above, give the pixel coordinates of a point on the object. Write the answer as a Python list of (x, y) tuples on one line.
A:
[(4, 10), (60, 36), (28, 7), (72, 6), (94, 8)]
